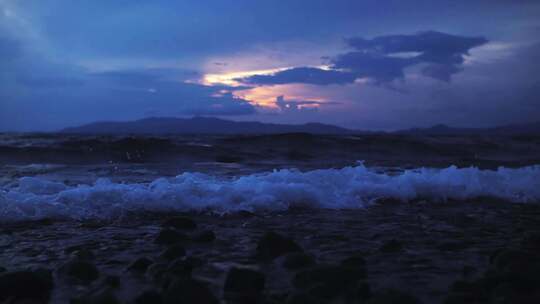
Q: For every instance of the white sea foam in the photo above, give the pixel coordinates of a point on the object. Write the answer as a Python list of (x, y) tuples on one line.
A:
[(350, 187)]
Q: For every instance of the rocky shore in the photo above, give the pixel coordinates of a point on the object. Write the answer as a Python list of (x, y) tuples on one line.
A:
[(391, 252)]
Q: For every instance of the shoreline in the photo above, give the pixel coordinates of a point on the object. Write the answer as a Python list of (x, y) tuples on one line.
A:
[(428, 246)]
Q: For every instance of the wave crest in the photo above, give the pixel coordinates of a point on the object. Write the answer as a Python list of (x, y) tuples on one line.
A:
[(350, 187)]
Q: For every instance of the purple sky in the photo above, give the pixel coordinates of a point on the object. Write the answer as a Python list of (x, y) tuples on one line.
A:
[(358, 64)]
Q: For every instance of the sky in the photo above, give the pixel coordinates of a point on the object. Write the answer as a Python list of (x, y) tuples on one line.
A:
[(362, 64)]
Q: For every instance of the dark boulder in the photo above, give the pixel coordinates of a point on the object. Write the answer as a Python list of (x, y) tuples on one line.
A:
[(391, 246), (173, 252), (105, 296), (112, 281), (81, 270), (297, 260), (179, 222), (354, 262), (180, 268), (149, 297), (84, 254), (205, 236), (302, 298), (26, 285), (188, 291), (393, 296), (330, 281), (169, 236), (273, 245), (140, 265), (244, 281)]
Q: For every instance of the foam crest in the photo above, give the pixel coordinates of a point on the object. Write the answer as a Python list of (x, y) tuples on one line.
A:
[(350, 187)]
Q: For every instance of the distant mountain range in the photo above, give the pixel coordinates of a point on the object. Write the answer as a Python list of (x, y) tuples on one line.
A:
[(515, 129), (201, 125), (210, 125)]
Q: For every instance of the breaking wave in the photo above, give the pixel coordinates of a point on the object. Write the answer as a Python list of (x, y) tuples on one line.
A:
[(350, 187)]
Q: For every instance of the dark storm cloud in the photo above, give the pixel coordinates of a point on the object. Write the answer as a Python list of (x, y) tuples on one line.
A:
[(302, 75), (384, 59), (380, 67), (50, 52), (435, 46), (36, 92)]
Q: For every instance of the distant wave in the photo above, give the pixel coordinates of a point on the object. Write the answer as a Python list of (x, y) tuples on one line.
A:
[(350, 187)]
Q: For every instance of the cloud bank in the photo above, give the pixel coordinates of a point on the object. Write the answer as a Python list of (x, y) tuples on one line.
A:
[(384, 59)]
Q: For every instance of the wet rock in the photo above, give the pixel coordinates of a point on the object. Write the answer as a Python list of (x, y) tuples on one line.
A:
[(156, 271), (80, 248), (81, 270), (84, 254), (245, 284), (149, 297), (467, 292), (180, 268), (531, 240), (503, 258), (188, 291), (140, 265), (362, 291), (468, 296), (468, 270), (112, 281), (100, 297), (180, 222), (393, 296), (391, 246), (169, 236), (194, 261), (453, 246), (302, 298), (204, 237), (173, 252), (354, 262), (16, 286), (273, 245), (329, 281), (297, 260), (465, 287)]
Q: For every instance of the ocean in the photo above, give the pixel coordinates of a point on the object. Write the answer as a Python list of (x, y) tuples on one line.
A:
[(422, 211)]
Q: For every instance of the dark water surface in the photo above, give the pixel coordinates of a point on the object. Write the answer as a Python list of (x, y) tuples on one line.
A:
[(425, 245)]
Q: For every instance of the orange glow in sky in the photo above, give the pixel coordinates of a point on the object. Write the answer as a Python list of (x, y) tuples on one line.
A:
[(228, 78), (263, 96)]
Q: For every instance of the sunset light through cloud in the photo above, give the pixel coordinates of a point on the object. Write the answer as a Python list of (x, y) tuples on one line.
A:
[(265, 96)]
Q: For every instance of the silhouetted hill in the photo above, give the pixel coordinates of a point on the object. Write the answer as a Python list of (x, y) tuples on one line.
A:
[(211, 125), (201, 125), (514, 129)]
